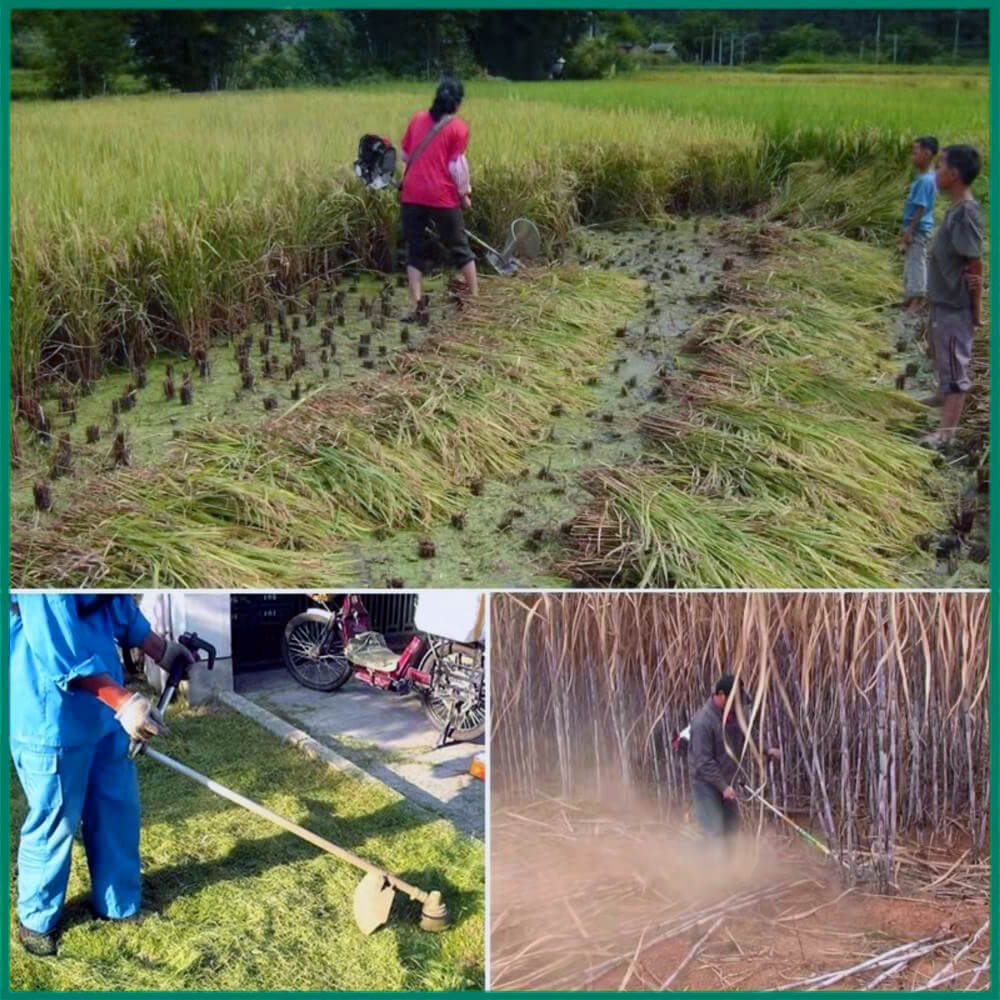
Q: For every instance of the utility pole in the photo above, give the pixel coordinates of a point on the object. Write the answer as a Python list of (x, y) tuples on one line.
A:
[(861, 53), (895, 39), (701, 50), (743, 49), (712, 59), (732, 45), (878, 37), (954, 47)]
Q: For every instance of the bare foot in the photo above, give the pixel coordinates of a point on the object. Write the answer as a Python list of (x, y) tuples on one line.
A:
[(939, 439)]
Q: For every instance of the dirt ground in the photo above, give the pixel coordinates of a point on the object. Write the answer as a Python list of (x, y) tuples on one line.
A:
[(587, 899)]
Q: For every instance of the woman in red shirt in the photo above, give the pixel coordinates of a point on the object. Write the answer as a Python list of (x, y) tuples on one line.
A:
[(436, 188)]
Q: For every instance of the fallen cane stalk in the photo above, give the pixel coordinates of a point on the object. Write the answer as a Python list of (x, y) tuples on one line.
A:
[(939, 976), (979, 971), (739, 901), (687, 958), (888, 974), (911, 950)]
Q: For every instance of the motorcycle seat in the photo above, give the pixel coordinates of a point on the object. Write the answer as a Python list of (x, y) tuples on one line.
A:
[(368, 650)]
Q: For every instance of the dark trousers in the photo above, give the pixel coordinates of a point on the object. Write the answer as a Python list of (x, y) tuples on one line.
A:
[(716, 816), (450, 226)]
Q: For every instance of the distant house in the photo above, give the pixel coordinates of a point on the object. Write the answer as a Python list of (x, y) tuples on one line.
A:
[(667, 49), (626, 46)]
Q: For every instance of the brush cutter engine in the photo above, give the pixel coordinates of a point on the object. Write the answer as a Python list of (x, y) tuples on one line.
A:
[(376, 162)]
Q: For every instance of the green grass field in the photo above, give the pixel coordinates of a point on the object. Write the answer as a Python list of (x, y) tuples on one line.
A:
[(240, 905)]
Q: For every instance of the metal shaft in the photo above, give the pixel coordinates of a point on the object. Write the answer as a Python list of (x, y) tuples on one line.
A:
[(795, 826), (300, 831), (483, 243)]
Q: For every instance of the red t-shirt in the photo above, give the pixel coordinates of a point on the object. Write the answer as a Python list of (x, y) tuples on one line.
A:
[(428, 181)]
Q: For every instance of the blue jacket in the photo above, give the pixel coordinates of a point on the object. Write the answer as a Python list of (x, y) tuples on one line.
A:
[(53, 639)]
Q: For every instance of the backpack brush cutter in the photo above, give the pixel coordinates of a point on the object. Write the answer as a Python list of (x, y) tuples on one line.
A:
[(376, 168), (375, 893)]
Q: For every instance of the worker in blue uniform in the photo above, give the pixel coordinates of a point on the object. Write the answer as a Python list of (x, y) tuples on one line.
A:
[(71, 721)]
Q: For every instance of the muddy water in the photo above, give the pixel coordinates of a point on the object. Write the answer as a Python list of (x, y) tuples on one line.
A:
[(511, 532)]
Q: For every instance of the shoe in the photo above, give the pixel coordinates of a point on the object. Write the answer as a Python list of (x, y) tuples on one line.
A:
[(34, 943)]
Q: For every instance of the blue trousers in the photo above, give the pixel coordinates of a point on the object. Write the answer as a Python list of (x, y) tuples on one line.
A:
[(95, 786)]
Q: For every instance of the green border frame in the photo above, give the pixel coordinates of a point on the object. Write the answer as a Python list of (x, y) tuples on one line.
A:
[(994, 54)]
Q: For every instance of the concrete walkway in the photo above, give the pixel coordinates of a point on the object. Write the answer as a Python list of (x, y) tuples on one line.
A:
[(386, 735)]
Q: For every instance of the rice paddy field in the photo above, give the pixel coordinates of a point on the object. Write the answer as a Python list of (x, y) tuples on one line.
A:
[(234, 903), (211, 384)]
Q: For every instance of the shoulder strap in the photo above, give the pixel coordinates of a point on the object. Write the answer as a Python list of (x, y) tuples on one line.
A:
[(438, 125)]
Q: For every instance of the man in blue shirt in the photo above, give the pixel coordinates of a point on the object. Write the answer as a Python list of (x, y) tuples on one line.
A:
[(918, 222), (71, 721)]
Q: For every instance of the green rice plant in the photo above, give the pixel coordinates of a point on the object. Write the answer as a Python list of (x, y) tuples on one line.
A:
[(782, 460), (166, 248), (281, 503)]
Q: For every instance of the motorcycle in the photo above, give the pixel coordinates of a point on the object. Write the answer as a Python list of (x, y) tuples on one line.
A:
[(324, 647)]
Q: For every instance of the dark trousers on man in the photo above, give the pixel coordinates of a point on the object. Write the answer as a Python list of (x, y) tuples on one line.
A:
[(717, 817)]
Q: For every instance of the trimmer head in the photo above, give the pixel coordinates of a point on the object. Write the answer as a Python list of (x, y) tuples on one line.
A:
[(434, 915)]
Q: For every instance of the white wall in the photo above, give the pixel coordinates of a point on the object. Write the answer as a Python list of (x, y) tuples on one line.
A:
[(176, 611), (452, 614)]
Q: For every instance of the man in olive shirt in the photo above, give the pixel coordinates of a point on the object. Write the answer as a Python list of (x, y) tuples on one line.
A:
[(954, 282), (713, 770)]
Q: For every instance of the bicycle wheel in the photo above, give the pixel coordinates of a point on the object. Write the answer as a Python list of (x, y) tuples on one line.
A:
[(314, 652)]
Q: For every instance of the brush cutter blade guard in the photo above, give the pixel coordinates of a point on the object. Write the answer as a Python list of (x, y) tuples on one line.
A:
[(525, 241), (372, 902)]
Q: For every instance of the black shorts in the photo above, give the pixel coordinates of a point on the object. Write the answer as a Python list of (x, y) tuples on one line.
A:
[(450, 227)]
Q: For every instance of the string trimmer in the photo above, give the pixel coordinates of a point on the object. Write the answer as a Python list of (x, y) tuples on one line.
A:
[(375, 893), (680, 742), (376, 168)]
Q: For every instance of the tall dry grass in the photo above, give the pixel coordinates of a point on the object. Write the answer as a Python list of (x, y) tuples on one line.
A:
[(878, 701)]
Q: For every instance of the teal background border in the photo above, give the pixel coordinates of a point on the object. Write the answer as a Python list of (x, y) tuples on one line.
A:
[(994, 49)]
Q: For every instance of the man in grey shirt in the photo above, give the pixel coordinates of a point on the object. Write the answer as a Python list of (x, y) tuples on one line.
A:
[(713, 769), (954, 284)]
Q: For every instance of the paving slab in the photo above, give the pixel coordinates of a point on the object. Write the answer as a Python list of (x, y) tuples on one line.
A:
[(386, 734)]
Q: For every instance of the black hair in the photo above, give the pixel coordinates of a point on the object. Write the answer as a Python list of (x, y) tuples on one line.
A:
[(929, 142), (965, 160), (448, 97), (725, 685)]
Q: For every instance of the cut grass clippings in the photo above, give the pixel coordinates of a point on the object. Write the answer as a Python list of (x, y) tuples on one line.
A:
[(269, 506), (241, 905), (785, 458)]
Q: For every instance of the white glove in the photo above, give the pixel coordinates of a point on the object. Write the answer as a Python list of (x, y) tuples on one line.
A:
[(141, 719)]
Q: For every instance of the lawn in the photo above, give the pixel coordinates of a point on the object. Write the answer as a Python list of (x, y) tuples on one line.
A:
[(242, 905)]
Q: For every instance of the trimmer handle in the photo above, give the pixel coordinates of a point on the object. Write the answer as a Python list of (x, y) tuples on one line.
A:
[(177, 672)]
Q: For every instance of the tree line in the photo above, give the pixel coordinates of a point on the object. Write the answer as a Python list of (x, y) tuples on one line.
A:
[(86, 52)]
